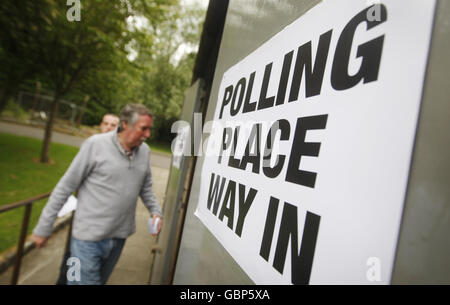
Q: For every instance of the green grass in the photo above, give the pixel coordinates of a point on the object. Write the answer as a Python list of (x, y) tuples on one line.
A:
[(22, 177)]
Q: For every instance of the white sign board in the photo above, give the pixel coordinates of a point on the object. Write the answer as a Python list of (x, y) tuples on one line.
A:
[(319, 202)]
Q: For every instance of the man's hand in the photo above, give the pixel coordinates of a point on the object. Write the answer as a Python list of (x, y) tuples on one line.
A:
[(159, 223), (40, 241)]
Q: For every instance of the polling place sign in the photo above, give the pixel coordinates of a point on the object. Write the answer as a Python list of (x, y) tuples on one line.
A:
[(315, 132)]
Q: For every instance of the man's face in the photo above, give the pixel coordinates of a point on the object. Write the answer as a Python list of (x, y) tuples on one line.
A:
[(139, 132), (109, 123)]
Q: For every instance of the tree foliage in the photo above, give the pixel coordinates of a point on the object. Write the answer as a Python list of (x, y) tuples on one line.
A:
[(168, 66), (92, 56)]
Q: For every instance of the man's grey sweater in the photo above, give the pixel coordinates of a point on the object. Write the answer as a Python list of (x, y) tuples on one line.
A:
[(108, 184)]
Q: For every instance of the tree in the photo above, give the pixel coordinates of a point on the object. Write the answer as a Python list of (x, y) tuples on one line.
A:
[(19, 61), (167, 71), (66, 53)]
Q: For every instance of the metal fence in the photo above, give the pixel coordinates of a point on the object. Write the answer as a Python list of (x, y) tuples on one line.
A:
[(20, 252), (30, 106), (28, 204)]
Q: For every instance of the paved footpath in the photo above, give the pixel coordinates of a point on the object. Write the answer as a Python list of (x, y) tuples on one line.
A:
[(41, 267), (158, 159)]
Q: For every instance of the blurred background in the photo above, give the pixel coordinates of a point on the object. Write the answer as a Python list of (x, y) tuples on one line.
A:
[(67, 63)]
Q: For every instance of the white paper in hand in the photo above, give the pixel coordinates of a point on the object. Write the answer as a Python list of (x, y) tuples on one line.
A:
[(153, 228), (69, 206)]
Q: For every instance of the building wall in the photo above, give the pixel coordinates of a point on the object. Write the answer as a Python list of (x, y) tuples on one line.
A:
[(423, 250), (423, 253)]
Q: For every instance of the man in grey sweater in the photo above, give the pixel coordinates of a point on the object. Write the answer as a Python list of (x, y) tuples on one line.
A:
[(110, 171)]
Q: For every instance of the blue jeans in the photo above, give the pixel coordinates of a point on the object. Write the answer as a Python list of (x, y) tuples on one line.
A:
[(93, 260)]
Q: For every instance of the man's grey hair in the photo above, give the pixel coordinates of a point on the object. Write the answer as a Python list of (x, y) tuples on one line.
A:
[(131, 112)]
